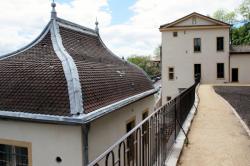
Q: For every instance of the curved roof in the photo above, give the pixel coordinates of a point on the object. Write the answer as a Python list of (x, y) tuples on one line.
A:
[(67, 72)]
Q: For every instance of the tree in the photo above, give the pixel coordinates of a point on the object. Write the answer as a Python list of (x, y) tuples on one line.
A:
[(241, 35), (144, 63), (225, 16), (244, 10), (157, 51)]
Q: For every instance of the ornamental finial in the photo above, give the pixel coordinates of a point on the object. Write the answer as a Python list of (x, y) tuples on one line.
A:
[(96, 26), (53, 12)]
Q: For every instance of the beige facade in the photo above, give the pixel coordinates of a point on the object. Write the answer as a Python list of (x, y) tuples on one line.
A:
[(48, 141), (241, 62), (179, 55), (105, 131)]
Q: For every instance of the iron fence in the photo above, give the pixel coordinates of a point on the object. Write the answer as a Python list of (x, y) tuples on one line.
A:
[(149, 143)]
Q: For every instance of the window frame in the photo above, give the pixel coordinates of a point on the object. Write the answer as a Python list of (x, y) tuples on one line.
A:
[(131, 154), (218, 73), (175, 34), (223, 44), (171, 72), (194, 48), (194, 20), (22, 144)]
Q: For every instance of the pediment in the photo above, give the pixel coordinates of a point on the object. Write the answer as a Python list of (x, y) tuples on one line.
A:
[(194, 20)]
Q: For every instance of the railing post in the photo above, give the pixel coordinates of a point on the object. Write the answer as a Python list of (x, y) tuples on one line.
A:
[(175, 118)]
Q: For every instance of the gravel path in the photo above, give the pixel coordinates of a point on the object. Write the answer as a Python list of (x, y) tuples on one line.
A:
[(216, 136), (239, 98)]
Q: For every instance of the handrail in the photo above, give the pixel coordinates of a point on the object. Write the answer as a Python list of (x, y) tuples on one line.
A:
[(158, 124)]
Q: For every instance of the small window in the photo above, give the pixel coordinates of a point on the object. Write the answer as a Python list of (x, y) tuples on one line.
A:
[(130, 141), (197, 44), (168, 98), (171, 73), (220, 43), (175, 34), (194, 20), (13, 155), (220, 70), (145, 115)]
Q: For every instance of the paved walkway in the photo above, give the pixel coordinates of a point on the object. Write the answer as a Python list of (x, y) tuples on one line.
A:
[(216, 137)]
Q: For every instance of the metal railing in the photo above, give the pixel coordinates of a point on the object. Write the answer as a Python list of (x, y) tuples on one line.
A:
[(149, 143)]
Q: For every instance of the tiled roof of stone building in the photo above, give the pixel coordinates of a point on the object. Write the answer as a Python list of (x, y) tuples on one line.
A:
[(67, 75), (240, 49)]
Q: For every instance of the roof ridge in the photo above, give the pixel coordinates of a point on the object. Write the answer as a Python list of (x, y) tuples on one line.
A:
[(70, 71), (77, 27), (33, 43)]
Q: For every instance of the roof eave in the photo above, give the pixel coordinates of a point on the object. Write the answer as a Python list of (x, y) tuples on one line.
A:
[(77, 119)]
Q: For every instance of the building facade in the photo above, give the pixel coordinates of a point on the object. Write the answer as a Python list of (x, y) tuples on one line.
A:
[(65, 98), (195, 45)]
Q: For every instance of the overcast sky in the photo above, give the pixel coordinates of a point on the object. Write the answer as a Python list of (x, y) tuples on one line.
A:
[(126, 26)]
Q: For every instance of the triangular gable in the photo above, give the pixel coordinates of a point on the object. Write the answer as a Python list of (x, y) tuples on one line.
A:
[(194, 19)]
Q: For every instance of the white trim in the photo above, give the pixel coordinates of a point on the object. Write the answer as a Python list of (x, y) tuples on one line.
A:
[(32, 44), (76, 119), (115, 106), (70, 71)]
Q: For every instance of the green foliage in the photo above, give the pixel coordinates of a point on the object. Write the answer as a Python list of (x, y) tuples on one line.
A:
[(244, 10), (241, 35), (225, 16), (144, 63), (157, 51)]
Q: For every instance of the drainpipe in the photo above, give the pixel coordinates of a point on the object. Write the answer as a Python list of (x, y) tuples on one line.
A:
[(85, 145), (230, 44), (229, 68)]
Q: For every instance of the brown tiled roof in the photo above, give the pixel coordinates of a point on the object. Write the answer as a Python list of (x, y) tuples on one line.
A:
[(240, 49), (33, 80)]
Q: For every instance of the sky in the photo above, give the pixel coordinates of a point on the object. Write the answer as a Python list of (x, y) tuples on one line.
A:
[(127, 27)]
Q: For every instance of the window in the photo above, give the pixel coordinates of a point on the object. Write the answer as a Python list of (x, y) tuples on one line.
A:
[(130, 141), (175, 34), (220, 70), (170, 73), (220, 43), (11, 155), (197, 44), (169, 98), (145, 115), (194, 20)]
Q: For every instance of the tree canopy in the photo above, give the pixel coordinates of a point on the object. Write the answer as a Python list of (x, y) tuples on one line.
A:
[(145, 63), (240, 34)]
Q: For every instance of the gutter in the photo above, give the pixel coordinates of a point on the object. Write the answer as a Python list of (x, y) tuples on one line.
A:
[(75, 119)]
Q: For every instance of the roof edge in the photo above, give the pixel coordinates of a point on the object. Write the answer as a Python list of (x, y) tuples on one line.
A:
[(33, 43), (77, 119), (76, 27), (70, 71), (115, 106), (190, 15)]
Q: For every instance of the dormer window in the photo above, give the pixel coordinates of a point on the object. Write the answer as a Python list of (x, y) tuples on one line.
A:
[(194, 20)]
